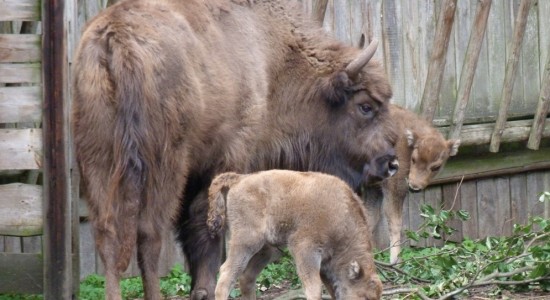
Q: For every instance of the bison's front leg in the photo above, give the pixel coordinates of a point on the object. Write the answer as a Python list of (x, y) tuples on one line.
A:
[(202, 252)]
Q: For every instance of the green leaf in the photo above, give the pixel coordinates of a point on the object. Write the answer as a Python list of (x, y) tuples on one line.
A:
[(539, 271)]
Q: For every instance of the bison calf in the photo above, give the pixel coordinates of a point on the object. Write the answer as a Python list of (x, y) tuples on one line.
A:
[(319, 218), (422, 152)]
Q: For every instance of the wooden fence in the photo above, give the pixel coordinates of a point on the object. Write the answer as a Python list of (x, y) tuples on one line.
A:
[(450, 60)]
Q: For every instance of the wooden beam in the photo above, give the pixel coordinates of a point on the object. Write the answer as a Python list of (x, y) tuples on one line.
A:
[(470, 65), (58, 279), (510, 76), (537, 131), (493, 164), (20, 48), (21, 273), (20, 10), (20, 209), (430, 97), (513, 131)]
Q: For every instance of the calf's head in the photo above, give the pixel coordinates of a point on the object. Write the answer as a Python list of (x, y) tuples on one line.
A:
[(429, 155), (359, 284)]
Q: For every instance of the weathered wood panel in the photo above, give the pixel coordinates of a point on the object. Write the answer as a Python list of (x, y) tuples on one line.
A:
[(16, 266), (20, 209), (20, 149), (20, 104), (20, 73), (20, 48), (20, 10)]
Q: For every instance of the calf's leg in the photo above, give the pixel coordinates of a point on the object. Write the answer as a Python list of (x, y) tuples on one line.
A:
[(393, 210), (308, 267), (247, 281)]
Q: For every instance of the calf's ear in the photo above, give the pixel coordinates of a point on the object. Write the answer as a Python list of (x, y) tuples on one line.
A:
[(453, 146), (354, 270)]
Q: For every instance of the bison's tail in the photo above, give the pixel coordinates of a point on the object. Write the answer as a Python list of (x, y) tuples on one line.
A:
[(134, 152), (217, 194)]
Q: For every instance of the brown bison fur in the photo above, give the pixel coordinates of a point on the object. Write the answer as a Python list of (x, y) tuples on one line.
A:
[(169, 93), (318, 216), (422, 152)]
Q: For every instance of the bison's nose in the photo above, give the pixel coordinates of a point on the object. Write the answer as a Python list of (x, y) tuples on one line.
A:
[(393, 167)]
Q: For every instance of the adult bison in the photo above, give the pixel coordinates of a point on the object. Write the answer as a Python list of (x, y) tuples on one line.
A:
[(169, 93)]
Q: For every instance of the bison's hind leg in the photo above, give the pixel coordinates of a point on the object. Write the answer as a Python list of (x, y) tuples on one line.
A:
[(115, 234), (149, 246)]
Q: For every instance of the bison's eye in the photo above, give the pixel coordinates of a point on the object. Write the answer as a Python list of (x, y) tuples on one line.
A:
[(436, 168), (366, 109)]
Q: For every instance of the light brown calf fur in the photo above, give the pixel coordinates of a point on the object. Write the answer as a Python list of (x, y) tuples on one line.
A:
[(321, 220), (422, 152)]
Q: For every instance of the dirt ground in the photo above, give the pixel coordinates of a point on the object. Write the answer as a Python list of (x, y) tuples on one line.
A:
[(483, 293)]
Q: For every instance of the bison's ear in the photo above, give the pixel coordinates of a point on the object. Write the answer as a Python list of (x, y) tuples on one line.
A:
[(453, 147), (410, 137), (354, 271), (335, 89)]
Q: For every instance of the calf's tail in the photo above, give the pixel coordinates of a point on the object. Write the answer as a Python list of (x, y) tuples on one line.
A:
[(217, 195)]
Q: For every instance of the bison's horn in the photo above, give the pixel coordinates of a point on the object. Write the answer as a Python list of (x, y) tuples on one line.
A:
[(358, 63)]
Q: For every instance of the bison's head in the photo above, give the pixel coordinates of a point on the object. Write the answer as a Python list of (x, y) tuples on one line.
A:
[(429, 154), (358, 97)]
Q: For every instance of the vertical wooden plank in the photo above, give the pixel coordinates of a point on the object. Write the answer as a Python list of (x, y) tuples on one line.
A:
[(518, 198), (468, 195), (543, 33), (32, 244), (415, 201), (535, 185), (357, 9), (511, 70), (87, 250), (328, 22), (531, 66), (411, 52), (487, 208), (12, 244), (496, 48), (452, 201), (438, 59), (318, 10), (428, 20), (503, 213), (392, 45), (543, 107), (57, 206), (469, 69), (342, 18), (433, 197), (406, 221)]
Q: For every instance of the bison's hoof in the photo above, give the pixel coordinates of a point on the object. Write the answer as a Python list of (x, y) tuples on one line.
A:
[(199, 294)]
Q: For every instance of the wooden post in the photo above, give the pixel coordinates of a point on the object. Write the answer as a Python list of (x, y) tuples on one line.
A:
[(510, 76), (542, 110), (430, 98), (318, 10), (469, 67), (57, 207)]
